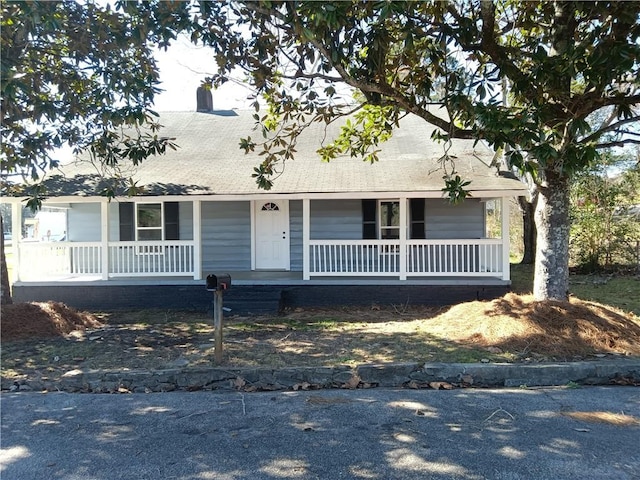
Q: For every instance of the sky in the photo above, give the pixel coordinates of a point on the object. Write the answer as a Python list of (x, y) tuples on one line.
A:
[(182, 68)]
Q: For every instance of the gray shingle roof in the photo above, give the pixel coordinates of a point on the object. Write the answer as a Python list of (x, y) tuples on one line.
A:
[(210, 162)]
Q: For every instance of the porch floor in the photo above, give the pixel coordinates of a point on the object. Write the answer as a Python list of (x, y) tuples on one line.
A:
[(257, 292), (283, 278)]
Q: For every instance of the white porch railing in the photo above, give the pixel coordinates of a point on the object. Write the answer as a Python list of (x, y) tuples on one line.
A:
[(478, 257), (40, 261), (451, 258), (128, 259), (354, 257), (474, 257)]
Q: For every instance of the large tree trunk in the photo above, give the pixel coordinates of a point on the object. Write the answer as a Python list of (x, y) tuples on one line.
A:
[(4, 273), (551, 281), (529, 232)]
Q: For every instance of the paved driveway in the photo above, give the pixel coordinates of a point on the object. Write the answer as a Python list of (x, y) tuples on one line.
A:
[(330, 434)]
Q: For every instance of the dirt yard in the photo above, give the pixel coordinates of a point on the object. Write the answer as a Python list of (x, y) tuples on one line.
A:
[(49, 339)]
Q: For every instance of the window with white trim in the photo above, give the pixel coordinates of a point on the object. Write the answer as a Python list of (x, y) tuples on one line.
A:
[(389, 219), (381, 219), (149, 221)]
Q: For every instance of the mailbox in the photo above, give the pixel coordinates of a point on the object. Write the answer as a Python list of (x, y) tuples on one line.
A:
[(221, 281)]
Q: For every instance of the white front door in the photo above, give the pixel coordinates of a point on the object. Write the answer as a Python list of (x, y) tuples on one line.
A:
[(272, 235)]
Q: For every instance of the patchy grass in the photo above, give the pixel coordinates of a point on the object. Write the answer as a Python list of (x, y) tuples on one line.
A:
[(621, 291)]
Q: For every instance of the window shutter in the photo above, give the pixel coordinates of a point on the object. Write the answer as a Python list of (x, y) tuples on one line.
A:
[(171, 223), (127, 232), (369, 219), (417, 218)]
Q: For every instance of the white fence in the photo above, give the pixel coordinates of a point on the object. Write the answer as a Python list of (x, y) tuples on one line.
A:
[(151, 258), (451, 258), (476, 257), (455, 257), (41, 261)]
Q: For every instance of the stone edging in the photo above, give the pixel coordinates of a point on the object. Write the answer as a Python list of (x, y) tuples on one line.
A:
[(411, 375)]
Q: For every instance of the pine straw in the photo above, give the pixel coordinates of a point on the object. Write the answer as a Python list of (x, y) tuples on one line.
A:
[(617, 419), (518, 323), (514, 324), (42, 319)]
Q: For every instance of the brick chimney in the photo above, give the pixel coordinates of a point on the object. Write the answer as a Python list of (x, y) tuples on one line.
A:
[(205, 100)]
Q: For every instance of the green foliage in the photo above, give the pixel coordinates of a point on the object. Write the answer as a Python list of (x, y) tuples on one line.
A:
[(455, 189), (603, 232), (560, 62), (79, 74), (75, 73)]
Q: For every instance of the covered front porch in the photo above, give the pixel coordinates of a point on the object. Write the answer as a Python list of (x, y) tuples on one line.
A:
[(344, 260), (349, 261)]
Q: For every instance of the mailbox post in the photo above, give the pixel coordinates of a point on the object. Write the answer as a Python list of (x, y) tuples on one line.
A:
[(218, 284)]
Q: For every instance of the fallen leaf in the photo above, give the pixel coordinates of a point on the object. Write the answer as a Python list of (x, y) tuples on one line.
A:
[(441, 385), (468, 379), (326, 400), (352, 383)]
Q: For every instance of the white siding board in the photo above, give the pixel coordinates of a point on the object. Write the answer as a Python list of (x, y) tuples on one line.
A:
[(295, 235), (114, 222), (336, 219), (185, 220), (446, 221), (226, 236), (83, 222)]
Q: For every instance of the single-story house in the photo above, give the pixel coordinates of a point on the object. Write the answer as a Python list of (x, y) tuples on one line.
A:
[(342, 232)]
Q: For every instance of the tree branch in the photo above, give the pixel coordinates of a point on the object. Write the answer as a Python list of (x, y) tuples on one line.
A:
[(620, 143), (488, 45), (361, 84), (598, 133)]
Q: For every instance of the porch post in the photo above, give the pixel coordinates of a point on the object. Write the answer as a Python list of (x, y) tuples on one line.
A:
[(104, 238), (16, 237), (403, 238), (506, 269), (306, 236), (197, 240)]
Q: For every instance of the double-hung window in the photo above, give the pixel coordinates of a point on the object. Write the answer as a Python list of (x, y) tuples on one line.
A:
[(389, 221), (149, 222), (381, 219)]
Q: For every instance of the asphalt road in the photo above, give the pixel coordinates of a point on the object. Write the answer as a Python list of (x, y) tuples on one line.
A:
[(331, 434)]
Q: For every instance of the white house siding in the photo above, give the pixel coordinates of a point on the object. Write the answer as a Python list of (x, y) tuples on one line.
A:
[(336, 220), (83, 220), (446, 221), (226, 236), (295, 234), (185, 220), (114, 222), (330, 220)]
